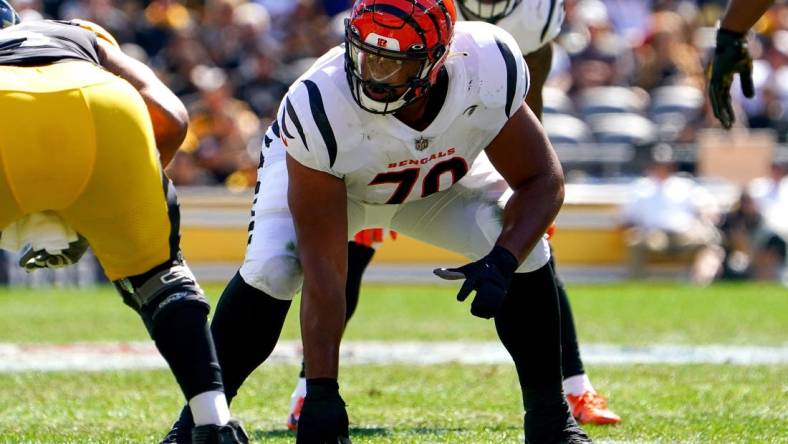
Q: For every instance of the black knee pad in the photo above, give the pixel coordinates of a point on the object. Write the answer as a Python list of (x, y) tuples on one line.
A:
[(160, 291)]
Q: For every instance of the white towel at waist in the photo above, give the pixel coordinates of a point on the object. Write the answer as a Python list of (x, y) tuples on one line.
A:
[(44, 231)]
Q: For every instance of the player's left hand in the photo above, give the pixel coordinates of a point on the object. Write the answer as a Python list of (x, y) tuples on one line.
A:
[(34, 259), (731, 56), (323, 417), (490, 276)]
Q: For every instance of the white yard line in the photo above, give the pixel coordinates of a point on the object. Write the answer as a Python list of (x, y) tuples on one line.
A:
[(143, 355)]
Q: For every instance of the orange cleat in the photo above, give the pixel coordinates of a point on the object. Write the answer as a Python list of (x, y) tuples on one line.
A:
[(296, 404), (591, 408), (295, 413)]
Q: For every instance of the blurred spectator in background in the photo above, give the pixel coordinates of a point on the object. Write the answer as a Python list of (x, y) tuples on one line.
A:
[(752, 249), (670, 215), (220, 129), (667, 57), (598, 56)]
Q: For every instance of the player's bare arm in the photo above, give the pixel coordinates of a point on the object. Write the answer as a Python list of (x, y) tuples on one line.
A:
[(525, 158), (168, 114), (318, 202), (741, 15)]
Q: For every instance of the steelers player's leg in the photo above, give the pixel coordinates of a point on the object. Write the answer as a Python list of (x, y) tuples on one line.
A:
[(252, 309), (9, 207), (539, 63), (129, 214), (528, 323)]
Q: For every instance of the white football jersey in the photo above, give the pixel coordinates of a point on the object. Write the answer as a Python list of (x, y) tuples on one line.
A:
[(533, 23), (382, 160)]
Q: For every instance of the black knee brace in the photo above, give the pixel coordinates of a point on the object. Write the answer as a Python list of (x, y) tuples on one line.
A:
[(160, 290), (175, 312)]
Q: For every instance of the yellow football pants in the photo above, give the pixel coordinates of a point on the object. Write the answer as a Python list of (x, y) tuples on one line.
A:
[(78, 140)]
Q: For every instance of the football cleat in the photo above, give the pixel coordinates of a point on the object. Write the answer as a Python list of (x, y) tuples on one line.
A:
[(296, 404), (591, 408), (574, 435), (230, 433), (181, 432)]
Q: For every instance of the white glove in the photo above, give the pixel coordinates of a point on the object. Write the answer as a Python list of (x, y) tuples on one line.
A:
[(35, 259)]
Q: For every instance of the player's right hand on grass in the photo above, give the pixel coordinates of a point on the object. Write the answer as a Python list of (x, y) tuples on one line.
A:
[(731, 56), (490, 276), (323, 417), (34, 259)]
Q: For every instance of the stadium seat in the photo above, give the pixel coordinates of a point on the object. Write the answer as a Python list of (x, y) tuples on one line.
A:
[(612, 99), (555, 101), (675, 107), (566, 129), (628, 128)]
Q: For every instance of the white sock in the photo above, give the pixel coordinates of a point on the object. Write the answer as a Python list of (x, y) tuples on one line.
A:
[(300, 389), (210, 408), (577, 385)]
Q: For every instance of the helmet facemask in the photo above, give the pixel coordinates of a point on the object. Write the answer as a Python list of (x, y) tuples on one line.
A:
[(487, 10), (382, 77)]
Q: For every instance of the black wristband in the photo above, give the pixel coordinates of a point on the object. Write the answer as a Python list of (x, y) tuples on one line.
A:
[(503, 259), (729, 33), (322, 386)]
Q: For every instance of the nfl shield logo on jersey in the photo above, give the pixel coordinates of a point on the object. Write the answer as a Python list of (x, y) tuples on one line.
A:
[(422, 144)]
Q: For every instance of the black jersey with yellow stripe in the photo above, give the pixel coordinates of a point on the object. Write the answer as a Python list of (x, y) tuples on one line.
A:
[(47, 41)]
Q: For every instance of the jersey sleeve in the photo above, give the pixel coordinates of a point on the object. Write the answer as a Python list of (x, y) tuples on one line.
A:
[(100, 32), (303, 128)]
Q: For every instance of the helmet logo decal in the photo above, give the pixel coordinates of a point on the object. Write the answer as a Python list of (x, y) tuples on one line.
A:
[(382, 41)]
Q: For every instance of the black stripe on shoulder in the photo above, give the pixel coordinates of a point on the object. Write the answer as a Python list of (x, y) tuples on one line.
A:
[(291, 112), (284, 127), (511, 74), (275, 128), (321, 120), (267, 141), (549, 19)]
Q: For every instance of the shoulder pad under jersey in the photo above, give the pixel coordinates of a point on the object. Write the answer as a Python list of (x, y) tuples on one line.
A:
[(316, 121), (494, 58)]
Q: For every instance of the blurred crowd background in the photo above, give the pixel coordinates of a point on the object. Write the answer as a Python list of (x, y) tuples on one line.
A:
[(232, 60), (625, 72)]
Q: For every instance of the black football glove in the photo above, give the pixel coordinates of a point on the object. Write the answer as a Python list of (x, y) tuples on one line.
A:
[(490, 276), (323, 417), (731, 56), (34, 259)]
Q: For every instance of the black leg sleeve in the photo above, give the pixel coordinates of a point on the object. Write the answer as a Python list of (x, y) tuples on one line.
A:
[(183, 339), (571, 362), (358, 258), (245, 328), (529, 327)]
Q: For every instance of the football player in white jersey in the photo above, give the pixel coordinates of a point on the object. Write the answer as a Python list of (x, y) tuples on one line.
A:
[(380, 133), (533, 24)]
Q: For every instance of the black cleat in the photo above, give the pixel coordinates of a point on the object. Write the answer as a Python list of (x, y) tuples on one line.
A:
[(553, 424), (230, 433), (574, 435), (181, 432)]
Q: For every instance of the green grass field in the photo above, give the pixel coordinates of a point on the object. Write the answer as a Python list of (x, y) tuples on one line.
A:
[(424, 404), (630, 314)]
